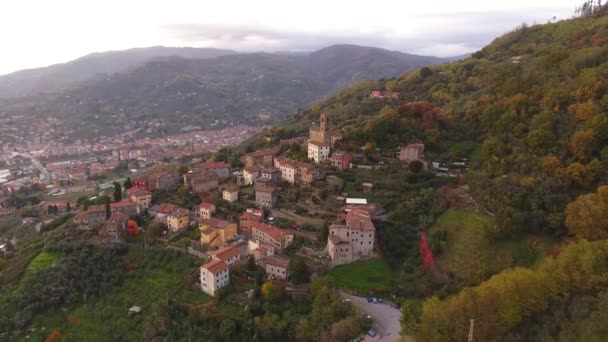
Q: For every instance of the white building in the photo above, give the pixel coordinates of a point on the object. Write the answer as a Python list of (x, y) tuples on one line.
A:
[(214, 275), (231, 194), (230, 255), (206, 210), (353, 241), (250, 174), (317, 151)]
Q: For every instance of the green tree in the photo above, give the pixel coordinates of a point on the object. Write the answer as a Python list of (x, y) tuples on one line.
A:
[(128, 184), (324, 233), (410, 316), (299, 273), (117, 192)]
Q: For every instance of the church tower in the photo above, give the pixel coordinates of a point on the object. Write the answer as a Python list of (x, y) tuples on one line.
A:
[(324, 127)]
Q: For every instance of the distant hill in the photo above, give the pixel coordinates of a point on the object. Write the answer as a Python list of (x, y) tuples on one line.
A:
[(58, 76), (232, 87)]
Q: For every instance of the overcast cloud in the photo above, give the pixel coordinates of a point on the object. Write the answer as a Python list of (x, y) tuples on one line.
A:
[(39, 32)]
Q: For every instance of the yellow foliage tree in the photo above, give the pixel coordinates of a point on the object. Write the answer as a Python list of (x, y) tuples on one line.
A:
[(587, 216)]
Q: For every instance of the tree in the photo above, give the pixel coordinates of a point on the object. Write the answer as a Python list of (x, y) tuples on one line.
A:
[(154, 229), (68, 207), (272, 291), (117, 192), (183, 192), (415, 166), (299, 273), (128, 184), (587, 216), (582, 144), (411, 311)]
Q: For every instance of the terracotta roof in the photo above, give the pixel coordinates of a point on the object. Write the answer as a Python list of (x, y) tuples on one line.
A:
[(138, 192), (263, 188), (232, 188), (272, 231), (251, 169), (179, 212), (97, 208), (225, 253), (256, 214), (207, 205), (214, 165), (262, 249), (359, 220), (216, 223), (117, 218), (317, 143), (215, 266), (277, 260), (166, 208), (121, 204)]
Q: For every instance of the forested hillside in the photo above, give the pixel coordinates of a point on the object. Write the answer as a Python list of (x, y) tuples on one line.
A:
[(530, 113), (530, 109)]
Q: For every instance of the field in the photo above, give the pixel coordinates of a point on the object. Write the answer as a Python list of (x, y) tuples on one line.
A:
[(43, 260), (156, 276), (471, 255), (363, 277)]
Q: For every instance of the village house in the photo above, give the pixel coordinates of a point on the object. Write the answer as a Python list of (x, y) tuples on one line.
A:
[(215, 274), (412, 152), (352, 241), (141, 197), (62, 206), (248, 218), (126, 208), (272, 235), (165, 181), (276, 266), (178, 219), (262, 158), (266, 196), (250, 174), (386, 94), (289, 169), (201, 181), (318, 151), (116, 226), (216, 232), (206, 210), (231, 194), (341, 160), (335, 136), (222, 170), (259, 249), (228, 254), (161, 211), (367, 187), (271, 176), (94, 216)]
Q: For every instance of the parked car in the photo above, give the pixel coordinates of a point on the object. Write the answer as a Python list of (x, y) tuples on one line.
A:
[(372, 333), (369, 299), (380, 300), (375, 300)]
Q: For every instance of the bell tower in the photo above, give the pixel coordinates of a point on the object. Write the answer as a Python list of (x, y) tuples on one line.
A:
[(324, 127)]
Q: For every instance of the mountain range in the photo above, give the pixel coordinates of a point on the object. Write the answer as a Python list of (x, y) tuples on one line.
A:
[(196, 84)]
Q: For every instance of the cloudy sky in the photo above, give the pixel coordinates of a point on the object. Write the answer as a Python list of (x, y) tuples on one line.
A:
[(37, 33)]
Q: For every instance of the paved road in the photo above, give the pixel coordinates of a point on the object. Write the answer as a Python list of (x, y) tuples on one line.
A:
[(385, 318)]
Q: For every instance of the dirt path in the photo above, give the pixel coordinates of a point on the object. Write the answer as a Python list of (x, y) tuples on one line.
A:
[(385, 318)]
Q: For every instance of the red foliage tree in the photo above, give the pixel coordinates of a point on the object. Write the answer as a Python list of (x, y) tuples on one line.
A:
[(132, 228)]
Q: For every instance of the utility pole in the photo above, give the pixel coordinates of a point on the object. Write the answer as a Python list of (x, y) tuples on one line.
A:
[(471, 330)]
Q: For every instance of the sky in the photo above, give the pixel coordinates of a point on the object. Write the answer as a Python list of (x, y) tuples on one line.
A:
[(36, 33)]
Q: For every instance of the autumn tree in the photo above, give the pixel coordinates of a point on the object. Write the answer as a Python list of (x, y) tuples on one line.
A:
[(582, 144), (587, 216)]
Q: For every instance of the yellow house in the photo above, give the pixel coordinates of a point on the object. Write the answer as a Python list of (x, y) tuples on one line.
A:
[(178, 219), (216, 232)]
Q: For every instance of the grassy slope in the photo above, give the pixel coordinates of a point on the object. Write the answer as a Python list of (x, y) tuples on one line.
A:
[(146, 285), (471, 255), (362, 277)]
